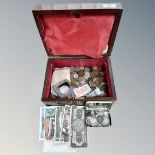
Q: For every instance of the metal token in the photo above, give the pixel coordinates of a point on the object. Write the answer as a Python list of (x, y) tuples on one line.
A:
[(95, 68), (83, 82), (100, 118), (75, 76), (87, 75), (81, 68), (77, 83), (101, 73), (77, 68), (95, 72), (72, 69), (98, 82), (86, 69), (81, 73)]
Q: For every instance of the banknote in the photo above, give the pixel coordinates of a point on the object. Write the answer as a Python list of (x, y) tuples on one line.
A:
[(41, 128), (58, 123), (66, 128), (78, 127), (96, 92), (95, 105), (49, 122)]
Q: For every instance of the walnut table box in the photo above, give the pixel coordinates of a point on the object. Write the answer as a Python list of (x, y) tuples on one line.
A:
[(78, 35)]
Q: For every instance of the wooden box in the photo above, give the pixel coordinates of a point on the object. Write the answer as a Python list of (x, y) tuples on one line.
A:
[(78, 34)]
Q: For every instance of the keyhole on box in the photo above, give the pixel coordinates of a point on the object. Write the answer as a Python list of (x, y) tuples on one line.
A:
[(77, 15)]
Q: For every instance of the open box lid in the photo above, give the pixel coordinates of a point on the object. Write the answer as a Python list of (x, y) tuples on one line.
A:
[(80, 29)]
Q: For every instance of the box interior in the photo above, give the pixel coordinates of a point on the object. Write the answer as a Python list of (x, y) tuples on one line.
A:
[(53, 63), (76, 34)]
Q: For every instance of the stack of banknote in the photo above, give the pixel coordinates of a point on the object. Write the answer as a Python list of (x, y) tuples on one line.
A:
[(63, 124), (65, 127)]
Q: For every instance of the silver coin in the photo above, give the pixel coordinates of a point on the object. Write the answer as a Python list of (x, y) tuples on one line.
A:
[(83, 82), (87, 75), (72, 69), (106, 121), (86, 69), (75, 76), (100, 118)]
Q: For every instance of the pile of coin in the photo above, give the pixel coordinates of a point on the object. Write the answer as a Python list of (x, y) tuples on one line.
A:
[(94, 76)]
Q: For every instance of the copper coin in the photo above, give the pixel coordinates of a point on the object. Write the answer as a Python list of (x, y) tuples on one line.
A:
[(101, 73), (81, 78), (81, 73), (98, 82), (92, 83), (95, 72), (95, 68), (77, 68), (77, 83), (81, 68), (73, 81), (91, 79)]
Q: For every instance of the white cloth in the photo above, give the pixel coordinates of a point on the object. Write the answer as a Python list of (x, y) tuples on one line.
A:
[(50, 146), (59, 75)]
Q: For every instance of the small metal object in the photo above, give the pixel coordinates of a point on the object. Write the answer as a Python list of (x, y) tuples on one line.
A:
[(98, 82), (86, 69), (77, 68), (101, 73), (75, 76), (77, 83), (81, 78), (64, 89), (87, 75), (72, 69), (81, 68), (95, 67), (94, 72), (81, 73)]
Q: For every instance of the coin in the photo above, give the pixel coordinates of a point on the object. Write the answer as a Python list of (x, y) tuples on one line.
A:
[(86, 69), (77, 83), (83, 82), (87, 75), (81, 73), (72, 69), (73, 81), (81, 78), (75, 76), (92, 84), (101, 73), (98, 82), (81, 68), (95, 68), (77, 68), (94, 72)]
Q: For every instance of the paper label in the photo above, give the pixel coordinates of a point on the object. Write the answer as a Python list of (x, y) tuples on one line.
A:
[(81, 91)]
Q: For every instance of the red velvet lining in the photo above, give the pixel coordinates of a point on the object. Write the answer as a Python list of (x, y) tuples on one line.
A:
[(64, 34), (75, 62)]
